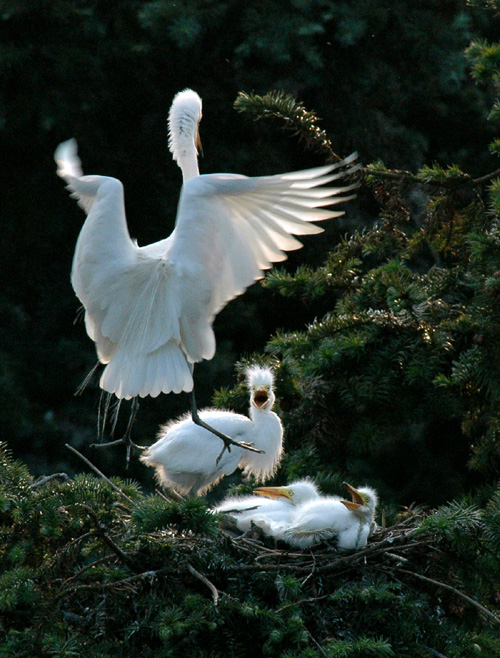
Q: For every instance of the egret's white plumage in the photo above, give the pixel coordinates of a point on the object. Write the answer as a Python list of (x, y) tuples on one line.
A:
[(329, 517), (186, 456), (263, 511), (150, 309)]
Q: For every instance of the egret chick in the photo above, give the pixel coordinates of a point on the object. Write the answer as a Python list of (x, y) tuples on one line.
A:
[(150, 309), (188, 458), (349, 522), (261, 510)]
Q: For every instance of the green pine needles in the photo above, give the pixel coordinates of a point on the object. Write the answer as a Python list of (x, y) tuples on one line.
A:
[(83, 575), (394, 381), (293, 116)]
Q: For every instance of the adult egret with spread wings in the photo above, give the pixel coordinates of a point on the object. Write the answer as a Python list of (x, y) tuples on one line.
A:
[(187, 458), (150, 309)]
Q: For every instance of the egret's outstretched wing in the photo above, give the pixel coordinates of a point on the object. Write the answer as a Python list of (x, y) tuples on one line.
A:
[(231, 228), (130, 297), (150, 309)]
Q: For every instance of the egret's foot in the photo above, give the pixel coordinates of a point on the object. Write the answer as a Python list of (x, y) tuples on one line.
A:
[(125, 440), (228, 441)]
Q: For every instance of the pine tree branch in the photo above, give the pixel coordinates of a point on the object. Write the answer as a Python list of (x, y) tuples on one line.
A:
[(455, 591), (294, 116), (100, 473), (205, 581), (282, 106), (48, 478)]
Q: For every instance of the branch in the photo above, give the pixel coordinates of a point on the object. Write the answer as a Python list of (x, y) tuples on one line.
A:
[(205, 581), (455, 591), (48, 478), (100, 473), (295, 117)]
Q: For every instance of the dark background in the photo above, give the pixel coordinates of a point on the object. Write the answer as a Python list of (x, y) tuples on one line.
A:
[(389, 79)]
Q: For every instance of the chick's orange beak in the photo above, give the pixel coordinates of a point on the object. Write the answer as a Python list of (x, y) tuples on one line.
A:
[(274, 492), (355, 494)]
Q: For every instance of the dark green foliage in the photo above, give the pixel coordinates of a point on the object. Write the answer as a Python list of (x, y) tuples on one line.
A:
[(388, 79), (84, 573), (384, 332), (398, 383)]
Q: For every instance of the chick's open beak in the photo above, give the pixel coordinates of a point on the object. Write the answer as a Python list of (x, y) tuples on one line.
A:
[(354, 507), (274, 492), (260, 396), (356, 496)]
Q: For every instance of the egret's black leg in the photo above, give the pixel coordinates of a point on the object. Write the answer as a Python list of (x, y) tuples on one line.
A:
[(126, 439), (228, 441)]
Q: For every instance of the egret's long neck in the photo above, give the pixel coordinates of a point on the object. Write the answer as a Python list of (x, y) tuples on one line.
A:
[(187, 159), (183, 120)]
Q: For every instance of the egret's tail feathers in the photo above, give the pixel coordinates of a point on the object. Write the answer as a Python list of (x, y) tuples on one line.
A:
[(162, 371)]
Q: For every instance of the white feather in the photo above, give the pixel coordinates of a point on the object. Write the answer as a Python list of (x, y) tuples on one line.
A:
[(185, 457), (150, 308)]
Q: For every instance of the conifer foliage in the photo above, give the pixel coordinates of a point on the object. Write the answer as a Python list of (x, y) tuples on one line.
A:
[(96, 569), (398, 381), (395, 383)]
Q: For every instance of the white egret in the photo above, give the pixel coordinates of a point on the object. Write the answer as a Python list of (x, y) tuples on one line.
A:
[(349, 522), (262, 511), (187, 458), (150, 309)]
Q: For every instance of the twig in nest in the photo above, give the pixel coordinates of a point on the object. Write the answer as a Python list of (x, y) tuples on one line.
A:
[(318, 645), (312, 599), (104, 586), (170, 495), (205, 581)]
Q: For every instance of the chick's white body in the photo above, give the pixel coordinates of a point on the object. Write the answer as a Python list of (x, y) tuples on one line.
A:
[(264, 512), (328, 518), (185, 456)]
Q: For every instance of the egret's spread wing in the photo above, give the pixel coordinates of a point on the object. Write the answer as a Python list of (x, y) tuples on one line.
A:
[(131, 299), (69, 167), (231, 228)]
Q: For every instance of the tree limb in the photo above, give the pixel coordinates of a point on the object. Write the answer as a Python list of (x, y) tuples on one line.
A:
[(205, 581), (455, 591)]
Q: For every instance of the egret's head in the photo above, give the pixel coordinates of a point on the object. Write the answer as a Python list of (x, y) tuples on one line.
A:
[(295, 493), (183, 123), (260, 382), (364, 501)]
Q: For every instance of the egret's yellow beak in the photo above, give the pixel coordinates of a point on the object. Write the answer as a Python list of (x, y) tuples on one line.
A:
[(357, 502), (274, 492), (198, 143), (260, 396), (354, 507), (357, 497)]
